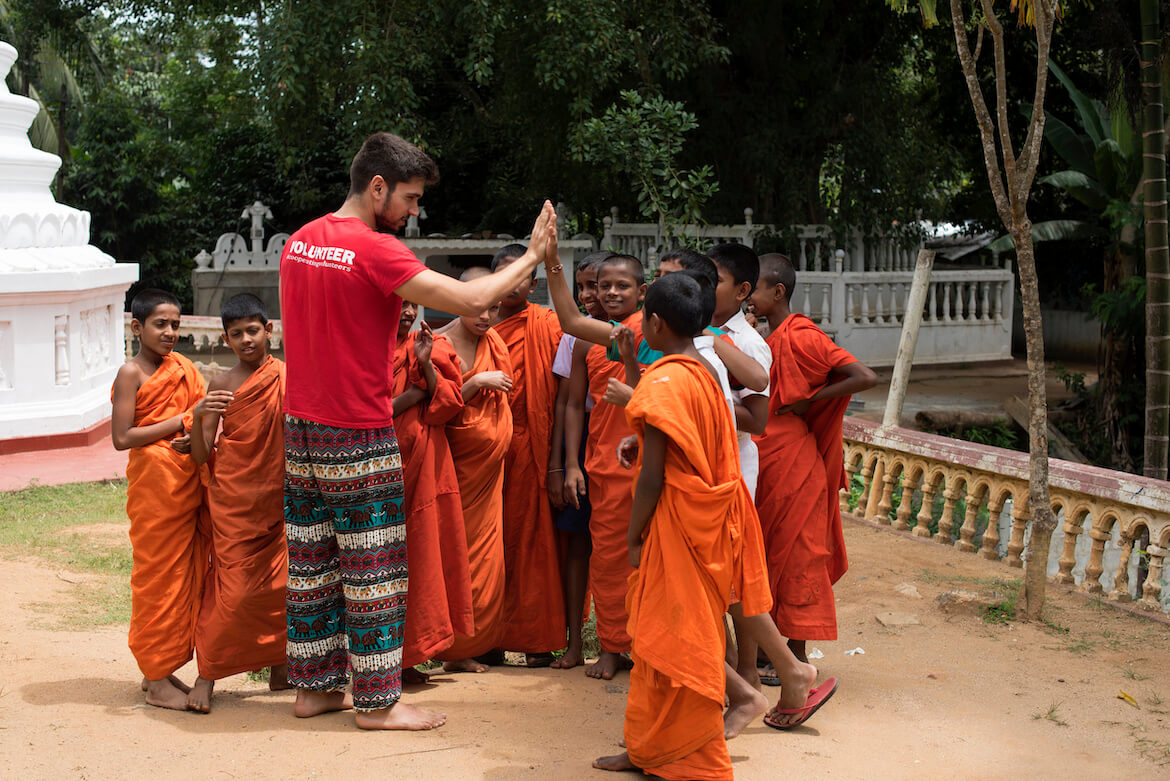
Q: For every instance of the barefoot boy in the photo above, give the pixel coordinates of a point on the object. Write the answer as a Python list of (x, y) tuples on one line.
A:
[(801, 461), (681, 539), (153, 394), (479, 437), (533, 623), (428, 393), (241, 618), (342, 279)]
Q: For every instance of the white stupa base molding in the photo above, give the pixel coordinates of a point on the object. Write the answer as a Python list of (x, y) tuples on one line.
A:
[(61, 337)]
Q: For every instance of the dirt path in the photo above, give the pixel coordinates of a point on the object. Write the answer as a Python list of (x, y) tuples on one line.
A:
[(953, 696)]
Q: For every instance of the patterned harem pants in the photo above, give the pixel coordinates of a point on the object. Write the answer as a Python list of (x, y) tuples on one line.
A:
[(346, 560)]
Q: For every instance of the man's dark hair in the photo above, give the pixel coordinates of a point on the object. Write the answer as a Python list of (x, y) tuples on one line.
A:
[(677, 299), (741, 263), (147, 300), (632, 264), (243, 306), (394, 159), (706, 292), (510, 252), (777, 270)]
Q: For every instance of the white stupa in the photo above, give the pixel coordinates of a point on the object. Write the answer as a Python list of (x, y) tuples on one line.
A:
[(61, 299)]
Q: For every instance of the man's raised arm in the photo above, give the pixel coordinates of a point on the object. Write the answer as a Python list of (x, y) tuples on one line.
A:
[(439, 291)]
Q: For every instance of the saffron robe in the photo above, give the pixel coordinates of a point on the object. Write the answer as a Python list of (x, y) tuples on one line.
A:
[(439, 603), (479, 436), (686, 575), (534, 619), (163, 501), (804, 540), (611, 497), (241, 624)]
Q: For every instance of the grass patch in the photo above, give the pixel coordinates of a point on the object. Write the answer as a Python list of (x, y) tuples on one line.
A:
[(1130, 673), (48, 523), (1156, 751), (1051, 715), (1010, 585), (1001, 612), (1077, 646)]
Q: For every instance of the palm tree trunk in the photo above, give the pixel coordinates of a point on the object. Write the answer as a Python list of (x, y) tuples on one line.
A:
[(1157, 254)]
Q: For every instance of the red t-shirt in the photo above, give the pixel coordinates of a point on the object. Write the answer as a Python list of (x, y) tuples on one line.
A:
[(340, 316)]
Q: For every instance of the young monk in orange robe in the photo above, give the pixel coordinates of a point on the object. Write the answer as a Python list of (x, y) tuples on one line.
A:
[(620, 285), (533, 622), (428, 394), (479, 437), (812, 379), (152, 396), (689, 506), (241, 625)]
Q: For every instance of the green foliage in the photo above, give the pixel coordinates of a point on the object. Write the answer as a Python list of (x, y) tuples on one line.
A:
[(641, 138), (1001, 612)]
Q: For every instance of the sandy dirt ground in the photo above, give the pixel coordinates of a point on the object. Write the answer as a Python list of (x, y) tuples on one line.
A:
[(953, 696)]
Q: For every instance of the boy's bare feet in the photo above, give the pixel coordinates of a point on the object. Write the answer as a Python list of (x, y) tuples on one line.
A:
[(745, 704), (174, 679), (164, 694), (199, 698), (411, 675), (313, 703), (795, 695), (607, 666), (570, 659), (400, 716), (465, 666), (278, 678), (616, 762)]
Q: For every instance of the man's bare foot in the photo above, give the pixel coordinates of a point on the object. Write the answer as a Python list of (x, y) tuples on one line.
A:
[(164, 694), (411, 675), (400, 716), (278, 678), (174, 679), (199, 698), (607, 665), (617, 762), (465, 666), (795, 694), (570, 659), (743, 713), (313, 703)]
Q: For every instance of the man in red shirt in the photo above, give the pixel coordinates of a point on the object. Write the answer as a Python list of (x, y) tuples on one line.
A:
[(342, 283)]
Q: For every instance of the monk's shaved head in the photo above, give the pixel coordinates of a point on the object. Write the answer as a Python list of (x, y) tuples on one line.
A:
[(475, 272), (776, 269), (628, 262)]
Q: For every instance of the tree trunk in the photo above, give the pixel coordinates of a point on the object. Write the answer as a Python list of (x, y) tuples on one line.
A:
[(1118, 357), (1157, 437)]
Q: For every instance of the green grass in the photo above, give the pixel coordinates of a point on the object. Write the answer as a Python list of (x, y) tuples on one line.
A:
[(1051, 715), (1001, 612), (48, 523)]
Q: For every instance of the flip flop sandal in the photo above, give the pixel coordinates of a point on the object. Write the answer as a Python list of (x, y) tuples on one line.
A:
[(768, 679), (817, 697)]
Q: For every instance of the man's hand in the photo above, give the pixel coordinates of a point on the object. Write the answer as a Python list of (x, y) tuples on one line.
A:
[(574, 486), (214, 403), (635, 554), (182, 444), (617, 392), (627, 451), (797, 408), (423, 343)]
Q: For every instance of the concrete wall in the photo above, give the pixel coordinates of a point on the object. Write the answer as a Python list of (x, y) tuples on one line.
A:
[(1068, 335)]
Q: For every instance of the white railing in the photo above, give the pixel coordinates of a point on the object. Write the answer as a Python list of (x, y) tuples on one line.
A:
[(1113, 531)]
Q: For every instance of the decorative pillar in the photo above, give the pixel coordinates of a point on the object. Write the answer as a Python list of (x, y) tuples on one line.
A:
[(1093, 570), (946, 523)]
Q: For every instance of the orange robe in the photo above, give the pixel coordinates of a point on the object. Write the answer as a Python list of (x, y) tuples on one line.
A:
[(479, 438), (534, 616), (610, 494), (241, 624), (438, 604), (686, 576), (163, 501), (803, 537)]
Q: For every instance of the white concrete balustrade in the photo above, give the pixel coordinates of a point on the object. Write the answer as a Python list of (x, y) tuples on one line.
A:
[(1113, 531), (205, 333)]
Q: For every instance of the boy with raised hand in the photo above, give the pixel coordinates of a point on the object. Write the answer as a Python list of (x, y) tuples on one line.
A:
[(801, 464), (241, 623), (343, 476), (533, 623), (620, 287), (428, 393), (479, 436), (152, 395), (682, 541)]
